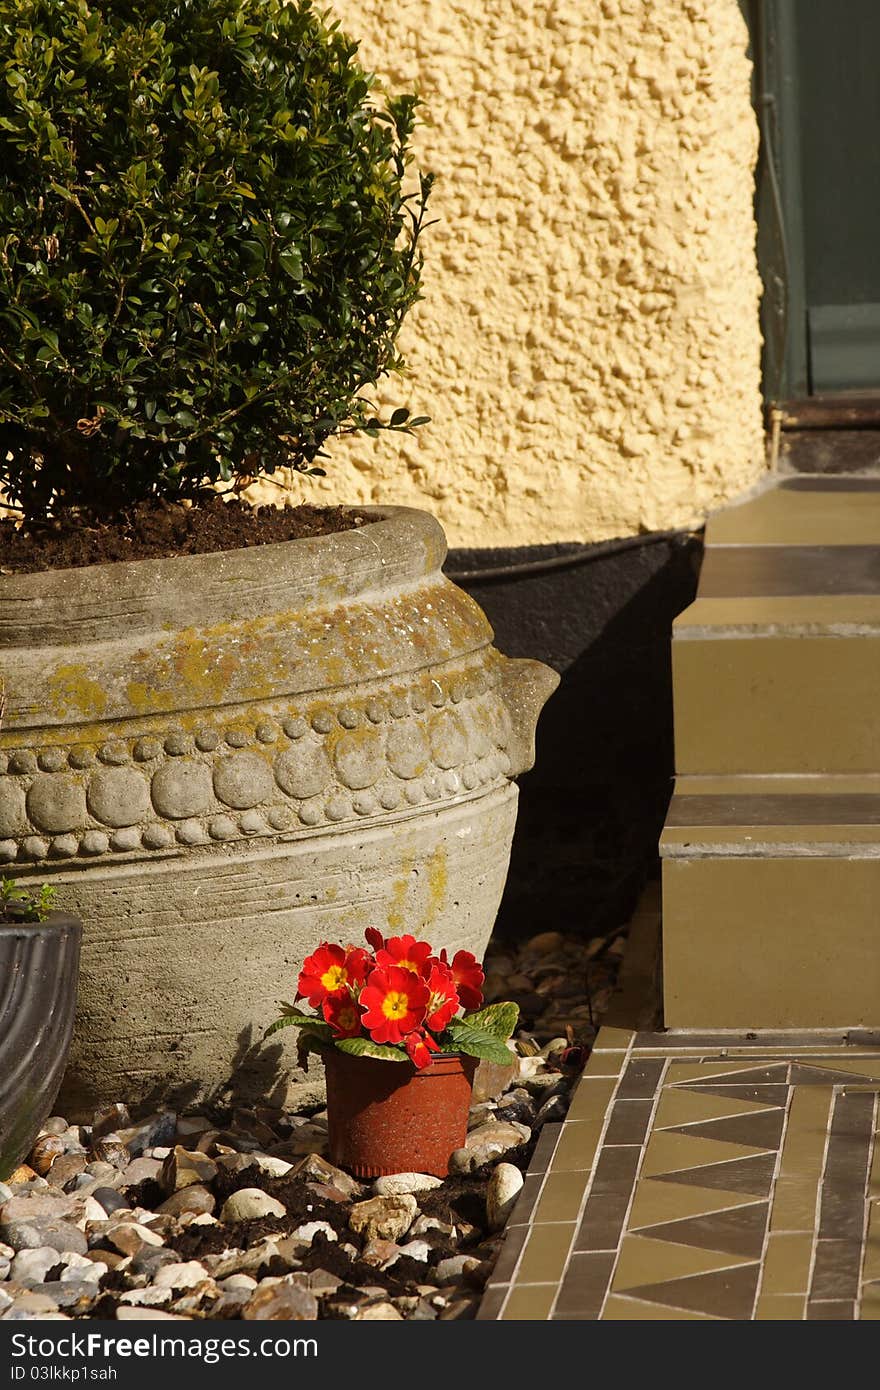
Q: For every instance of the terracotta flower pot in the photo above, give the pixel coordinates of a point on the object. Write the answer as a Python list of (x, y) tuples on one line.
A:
[(39, 969), (387, 1117)]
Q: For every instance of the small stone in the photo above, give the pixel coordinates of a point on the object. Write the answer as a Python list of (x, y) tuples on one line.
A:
[(185, 1168), (127, 1313), (544, 944), (24, 1206), (56, 1124), (398, 1184), (379, 1312), (76, 1294), (149, 1297), (180, 1275), (109, 1199), (509, 1133), (310, 1229), (417, 1250), (66, 1167), (160, 1128), (23, 1173), (25, 1306), (505, 1185), (31, 1266), (42, 1231), (239, 1281), (380, 1253), (190, 1126), (492, 1079), (142, 1170), (281, 1303), (240, 1261), (455, 1268), (81, 1267), (554, 1109), (129, 1236), (196, 1200), (111, 1149), (110, 1120), (249, 1204), (463, 1308), (46, 1150), (149, 1260), (313, 1168), (272, 1167), (106, 1173), (423, 1226), (385, 1218)]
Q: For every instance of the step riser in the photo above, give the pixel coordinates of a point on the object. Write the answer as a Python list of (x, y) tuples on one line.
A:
[(777, 704), (771, 943)]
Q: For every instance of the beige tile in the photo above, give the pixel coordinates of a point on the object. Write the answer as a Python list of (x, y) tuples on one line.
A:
[(577, 1145), (646, 1261), (545, 1253), (591, 1097), (613, 1039), (786, 1264), (620, 1309), (679, 1073), (656, 1202), (869, 1305), (561, 1197), (529, 1303), (871, 1266), (781, 1308), (794, 1206), (789, 516), (668, 1152), (692, 1107), (605, 1064)]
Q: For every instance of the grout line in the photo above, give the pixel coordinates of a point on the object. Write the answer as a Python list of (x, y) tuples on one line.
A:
[(820, 1193), (867, 1211), (592, 1173), (638, 1173), (782, 1138)]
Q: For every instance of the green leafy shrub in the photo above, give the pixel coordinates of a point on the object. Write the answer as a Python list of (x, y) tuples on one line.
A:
[(208, 243)]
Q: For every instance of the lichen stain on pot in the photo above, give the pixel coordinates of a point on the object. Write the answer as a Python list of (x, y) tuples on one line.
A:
[(216, 798)]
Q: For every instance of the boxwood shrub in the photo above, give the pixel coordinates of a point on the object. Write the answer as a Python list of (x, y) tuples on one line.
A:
[(209, 238)]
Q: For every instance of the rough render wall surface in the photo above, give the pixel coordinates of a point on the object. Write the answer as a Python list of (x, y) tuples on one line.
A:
[(588, 346)]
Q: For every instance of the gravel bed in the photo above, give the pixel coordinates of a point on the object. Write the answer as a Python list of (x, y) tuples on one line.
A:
[(239, 1214)]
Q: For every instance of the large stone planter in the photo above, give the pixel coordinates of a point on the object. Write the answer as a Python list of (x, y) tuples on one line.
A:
[(220, 760)]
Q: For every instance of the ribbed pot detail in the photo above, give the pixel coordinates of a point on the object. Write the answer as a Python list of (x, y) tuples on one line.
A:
[(221, 760), (39, 966)]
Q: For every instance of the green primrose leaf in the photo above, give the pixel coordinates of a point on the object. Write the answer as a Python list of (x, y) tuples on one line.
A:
[(365, 1047), (476, 1042)]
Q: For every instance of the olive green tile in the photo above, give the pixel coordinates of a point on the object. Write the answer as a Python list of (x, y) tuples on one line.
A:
[(733, 708), (604, 1064), (613, 1039), (561, 1197), (805, 784), (679, 1107), (787, 1262), (805, 614), (760, 1130), (726, 1073), (646, 1261), (621, 1308), (577, 1145), (795, 1205), (545, 1253), (831, 1310), (657, 1202), (752, 1175), (529, 1303), (871, 1267), (869, 1307), (544, 1149), (670, 1152), (739, 1231), (803, 1150), (836, 1269), (806, 514), (492, 1303), (591, 1097), (629, 1121), (780, 1308), (726, 1293), (584, 1286), (733, 928)]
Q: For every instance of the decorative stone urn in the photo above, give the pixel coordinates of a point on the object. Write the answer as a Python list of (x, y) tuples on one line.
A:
[(221, 760)]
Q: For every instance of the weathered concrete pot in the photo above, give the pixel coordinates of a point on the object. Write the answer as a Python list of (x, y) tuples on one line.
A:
[(221, 760), (39, 963)]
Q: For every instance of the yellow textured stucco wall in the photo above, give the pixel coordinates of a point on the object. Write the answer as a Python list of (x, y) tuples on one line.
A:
[(588, 346)]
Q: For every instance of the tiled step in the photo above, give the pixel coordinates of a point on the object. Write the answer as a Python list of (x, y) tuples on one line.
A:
[(771, 887), (776, 665)]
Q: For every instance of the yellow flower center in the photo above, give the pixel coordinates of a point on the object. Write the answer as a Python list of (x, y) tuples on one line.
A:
[(334, 978), (408, 965), (395, 1004)]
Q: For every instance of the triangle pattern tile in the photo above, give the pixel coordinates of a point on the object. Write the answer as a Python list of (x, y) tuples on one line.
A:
[(658, 1201), (622, 1308), (760, 1130), (726, 1293), (803, 1075), (686, 1107), (645, 1261), (753, 1175), (668, 1151), (726, 1073), (765, 1096), (739, 1231)]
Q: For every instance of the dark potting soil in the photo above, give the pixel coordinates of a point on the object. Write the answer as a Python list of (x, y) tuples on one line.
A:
[(157, 530)]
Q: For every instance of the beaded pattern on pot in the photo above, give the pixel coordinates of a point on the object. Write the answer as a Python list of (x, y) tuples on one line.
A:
[(274, 771)]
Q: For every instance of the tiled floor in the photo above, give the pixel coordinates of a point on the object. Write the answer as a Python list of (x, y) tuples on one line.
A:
[(704, 1177)]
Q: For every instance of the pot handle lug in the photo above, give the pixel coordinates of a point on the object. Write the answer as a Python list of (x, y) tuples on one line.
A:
[(526, 686)]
